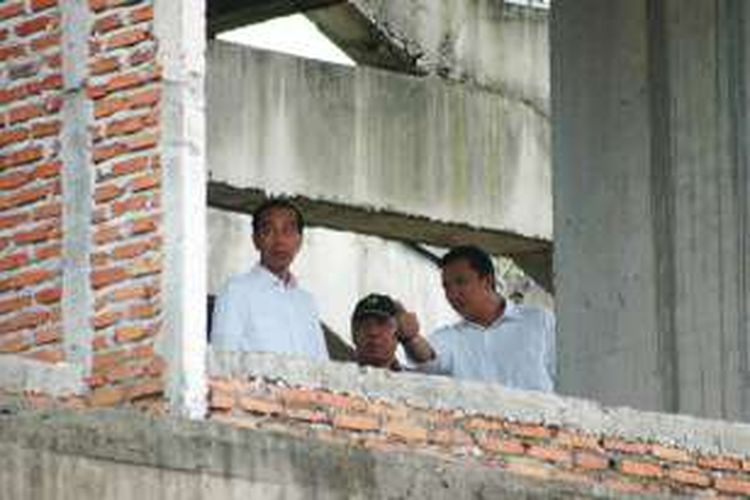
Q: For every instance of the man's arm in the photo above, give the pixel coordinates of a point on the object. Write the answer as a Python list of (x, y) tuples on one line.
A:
[(227, 320), (416, 346)]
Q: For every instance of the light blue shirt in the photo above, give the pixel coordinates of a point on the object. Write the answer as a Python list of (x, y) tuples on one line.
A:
[(517, 350), (257, 311)]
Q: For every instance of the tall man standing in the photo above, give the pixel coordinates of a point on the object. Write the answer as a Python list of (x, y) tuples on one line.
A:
[(264, 309)]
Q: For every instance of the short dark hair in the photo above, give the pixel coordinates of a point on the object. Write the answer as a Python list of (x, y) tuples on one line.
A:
[(478, 259), (273, 203)]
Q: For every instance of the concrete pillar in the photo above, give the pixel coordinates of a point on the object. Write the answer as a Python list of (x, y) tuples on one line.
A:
[(650, 182)]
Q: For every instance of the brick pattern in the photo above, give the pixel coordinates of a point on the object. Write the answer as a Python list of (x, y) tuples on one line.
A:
[(530, 449), (30, 186), (124, 85)]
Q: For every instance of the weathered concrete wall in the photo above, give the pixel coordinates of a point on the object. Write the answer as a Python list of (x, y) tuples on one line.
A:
[(651, 203), (368, 138), (487, 42)]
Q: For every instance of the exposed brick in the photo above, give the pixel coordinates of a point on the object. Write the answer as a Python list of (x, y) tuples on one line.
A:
[(550, 454), (14, 304), (734, 485), (24, 320), (47, 337), (144, 182), (107, 396), (100, 342), (108, 151), (18, 344), (105, 319), (104, 65), (48, 252), (126, 126), (131, 333), (144, 267), (12, 136), (47, 211), (253, 405), (107, 23), (591, 461), (49, 295), (356, 422), (51, 82), (136, 164), (109, 106), (146, 389), (220, 400), (44, 232), (670, 453), (124, 371), (144, 141), (49, 355), (25, 113), (13, 261), (639, 468), (102, 362), (576, 440), (45, 129), (37, 5), (12, 52), (106, 234), (692, 477), (10, 221), (157, 366), (145, 224), (107, 192), (43, 42), (21, 70), (127, 38), (616, 444), (21, 157), (501, 445), (53, 104), (36, 24), (104, 277), (405, 430), (24, 197), (719, 462), (130, 250), (11, 9), (142, 55), (130, 204), (145, 98), (53, 61), (124, 81), (529, 430), (14, 180), (26, 278), (141, 14)]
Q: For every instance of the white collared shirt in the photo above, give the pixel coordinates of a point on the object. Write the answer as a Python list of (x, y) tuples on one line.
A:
[(257, 311), (517, 350)]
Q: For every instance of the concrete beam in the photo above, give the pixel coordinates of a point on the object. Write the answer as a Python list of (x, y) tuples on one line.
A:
[(224, 15), (380, 222)]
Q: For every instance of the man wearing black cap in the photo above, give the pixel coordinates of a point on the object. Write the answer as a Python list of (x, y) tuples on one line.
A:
[(379, 323)]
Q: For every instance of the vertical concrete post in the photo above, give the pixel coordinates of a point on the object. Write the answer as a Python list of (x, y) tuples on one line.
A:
[(180, 28), (650, 182)]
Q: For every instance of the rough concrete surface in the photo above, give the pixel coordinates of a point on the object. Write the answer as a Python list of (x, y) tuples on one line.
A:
[(121, 455)]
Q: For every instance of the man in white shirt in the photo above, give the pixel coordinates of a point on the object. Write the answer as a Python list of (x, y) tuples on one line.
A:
[(496, 340), (264, 309)]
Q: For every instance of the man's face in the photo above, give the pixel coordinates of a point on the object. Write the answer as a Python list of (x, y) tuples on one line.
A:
[(464, 288), (278, 239), (375, 340)]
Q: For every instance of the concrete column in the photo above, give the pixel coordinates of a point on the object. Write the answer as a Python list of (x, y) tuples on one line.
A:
[(650, 182), (180, 26)]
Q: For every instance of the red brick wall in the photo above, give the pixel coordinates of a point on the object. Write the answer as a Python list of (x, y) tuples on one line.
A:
[(124, 84), (30, 186), (123, 88), (529, 449)]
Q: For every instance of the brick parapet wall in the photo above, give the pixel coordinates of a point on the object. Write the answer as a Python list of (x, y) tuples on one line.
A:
[(125, 86), (626, 454), (30, 188)]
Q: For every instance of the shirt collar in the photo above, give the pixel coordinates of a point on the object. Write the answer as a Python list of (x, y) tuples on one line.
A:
[(511, 312), (272, 279)]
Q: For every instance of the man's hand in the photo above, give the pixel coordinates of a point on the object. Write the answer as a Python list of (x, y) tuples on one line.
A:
[(408, 324)]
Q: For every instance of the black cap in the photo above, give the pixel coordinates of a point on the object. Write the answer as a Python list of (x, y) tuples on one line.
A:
[(375, 305)]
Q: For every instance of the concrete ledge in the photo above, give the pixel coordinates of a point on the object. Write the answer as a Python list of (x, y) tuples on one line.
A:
[(121, 454), (706, 436), (21, 374)]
